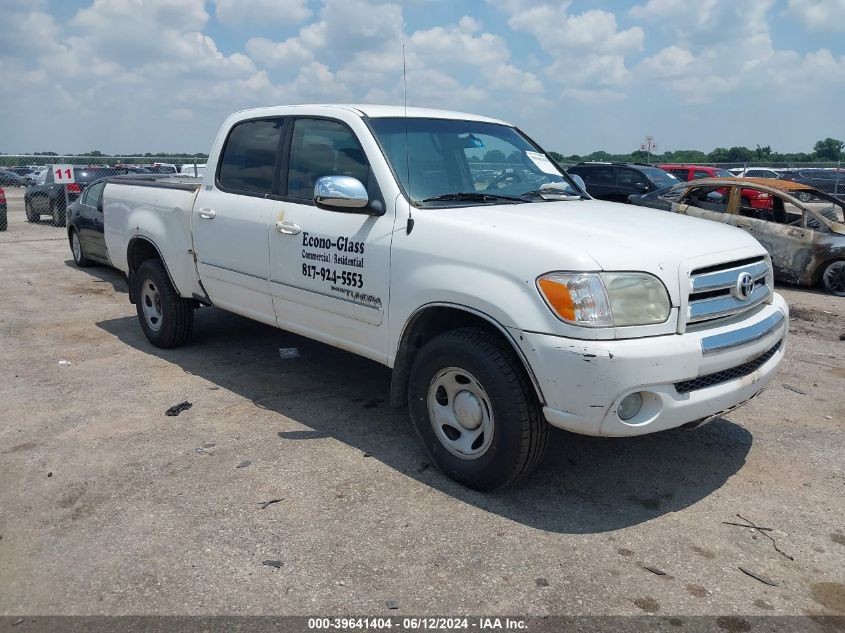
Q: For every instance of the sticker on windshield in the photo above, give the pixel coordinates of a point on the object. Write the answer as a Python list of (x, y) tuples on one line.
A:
[(543, 164)]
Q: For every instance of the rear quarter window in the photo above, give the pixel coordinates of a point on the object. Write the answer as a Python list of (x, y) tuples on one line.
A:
[(249, 158)]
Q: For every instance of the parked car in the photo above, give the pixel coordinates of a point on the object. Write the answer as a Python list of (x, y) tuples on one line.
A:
[(755, 172), (85, 221), (3, 218), (189, 169), (11, 179), (831, 181), (501, 308), (754, 198), (617, 181), (47, 198), (161, 168), (806, 243), (26, 173)]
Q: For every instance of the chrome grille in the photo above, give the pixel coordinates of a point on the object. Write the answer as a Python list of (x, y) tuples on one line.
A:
[(714, 293)]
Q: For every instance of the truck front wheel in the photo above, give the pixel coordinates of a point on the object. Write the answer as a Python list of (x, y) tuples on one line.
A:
[(166, 318), (475, 410)]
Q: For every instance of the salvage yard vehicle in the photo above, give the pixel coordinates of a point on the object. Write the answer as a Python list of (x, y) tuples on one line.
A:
[(616, 181), (501, 310), (48, 198), (750, 196), (806, 240)]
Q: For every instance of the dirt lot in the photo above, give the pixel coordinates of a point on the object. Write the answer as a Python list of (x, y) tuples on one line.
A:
[(110, 507)]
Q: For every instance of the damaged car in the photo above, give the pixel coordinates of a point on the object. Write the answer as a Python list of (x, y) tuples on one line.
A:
[(803, 228)]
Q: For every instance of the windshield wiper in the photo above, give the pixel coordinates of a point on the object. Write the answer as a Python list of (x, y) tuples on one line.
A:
[(471, 196), (551, 192)]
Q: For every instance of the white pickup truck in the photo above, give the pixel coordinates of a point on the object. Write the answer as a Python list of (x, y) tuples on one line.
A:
[(450, 248)]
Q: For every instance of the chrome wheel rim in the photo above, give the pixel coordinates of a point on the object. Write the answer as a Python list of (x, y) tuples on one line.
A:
[(834, 278), (460, 413), (151, 305), (76, 247)]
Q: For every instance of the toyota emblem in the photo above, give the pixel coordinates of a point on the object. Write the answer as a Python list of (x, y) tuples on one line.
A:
[(744, 286)]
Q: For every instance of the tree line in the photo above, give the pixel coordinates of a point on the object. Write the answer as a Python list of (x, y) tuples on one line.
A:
[(829, 150)]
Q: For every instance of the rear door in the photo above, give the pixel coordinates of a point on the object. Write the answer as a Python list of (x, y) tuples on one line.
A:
[(330, 270), (230, 220)]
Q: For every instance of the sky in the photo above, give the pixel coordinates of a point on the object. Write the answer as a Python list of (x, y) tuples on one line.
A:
[(127, 76)]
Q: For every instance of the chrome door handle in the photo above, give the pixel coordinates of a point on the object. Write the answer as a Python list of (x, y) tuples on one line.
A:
[(207, 214), (288, 228)]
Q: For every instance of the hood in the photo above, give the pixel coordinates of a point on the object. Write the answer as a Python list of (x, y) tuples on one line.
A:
[(616, 236)]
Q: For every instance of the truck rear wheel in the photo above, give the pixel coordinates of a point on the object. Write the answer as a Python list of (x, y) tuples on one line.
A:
[(166, 318), (475, 410)]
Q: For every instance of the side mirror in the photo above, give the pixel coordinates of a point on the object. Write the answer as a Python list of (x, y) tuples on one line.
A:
[(340, 193), (579, 181)]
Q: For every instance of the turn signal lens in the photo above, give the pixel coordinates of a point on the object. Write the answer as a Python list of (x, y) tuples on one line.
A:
[(577, 298)]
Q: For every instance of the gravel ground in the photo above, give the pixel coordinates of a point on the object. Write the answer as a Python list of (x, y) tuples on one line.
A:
[(111, 507)]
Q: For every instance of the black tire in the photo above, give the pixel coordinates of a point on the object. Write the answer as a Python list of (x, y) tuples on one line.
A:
[(57, 211), (832, 277), (3, 220), (519, 431), (169, 318), (31, 216), (77, 250)]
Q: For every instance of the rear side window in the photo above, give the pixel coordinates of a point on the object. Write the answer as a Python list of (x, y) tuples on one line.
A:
[(596, 175), (700, 173), (683, 174), (323, 148), (248, 162)]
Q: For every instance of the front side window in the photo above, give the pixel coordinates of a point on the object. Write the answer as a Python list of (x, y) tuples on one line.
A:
[(631, 179), (660, 177), (681, 174), (248, 161), (443, 161), (323, 148), (710, 198)]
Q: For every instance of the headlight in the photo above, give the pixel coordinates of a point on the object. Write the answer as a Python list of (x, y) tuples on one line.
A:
[(606, 299)]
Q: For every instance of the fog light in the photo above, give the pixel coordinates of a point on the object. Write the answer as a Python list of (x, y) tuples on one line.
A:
[(630, 406)]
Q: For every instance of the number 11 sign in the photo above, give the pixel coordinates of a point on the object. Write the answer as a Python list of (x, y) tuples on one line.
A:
[(63, 174)]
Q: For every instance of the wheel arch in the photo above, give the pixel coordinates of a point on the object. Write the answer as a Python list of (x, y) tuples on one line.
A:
[(432, 319), (139, 250)]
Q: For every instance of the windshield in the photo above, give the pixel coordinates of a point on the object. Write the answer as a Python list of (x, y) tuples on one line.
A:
[(659, 177), (484, 162)]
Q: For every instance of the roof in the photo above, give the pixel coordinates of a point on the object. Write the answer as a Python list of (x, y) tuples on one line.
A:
[(390, 111), (786, 185), (782, 185)]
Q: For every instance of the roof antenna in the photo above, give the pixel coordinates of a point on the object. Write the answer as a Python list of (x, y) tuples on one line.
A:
[(410, 225)]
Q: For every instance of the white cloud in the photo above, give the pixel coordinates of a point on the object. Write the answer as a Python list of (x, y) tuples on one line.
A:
[(291, 52), (250, 12), (820, 15)]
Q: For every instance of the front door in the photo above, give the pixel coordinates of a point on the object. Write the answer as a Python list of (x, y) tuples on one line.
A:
[(90, 221), (330, 270), (230, 220)]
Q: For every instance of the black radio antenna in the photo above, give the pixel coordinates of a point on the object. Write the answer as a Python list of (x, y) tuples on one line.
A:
[(410, 225)]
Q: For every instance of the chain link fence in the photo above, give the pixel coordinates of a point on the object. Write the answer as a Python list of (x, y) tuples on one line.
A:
[(38, 190)]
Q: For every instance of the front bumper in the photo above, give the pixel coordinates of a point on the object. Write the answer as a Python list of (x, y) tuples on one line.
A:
[(682, 377)]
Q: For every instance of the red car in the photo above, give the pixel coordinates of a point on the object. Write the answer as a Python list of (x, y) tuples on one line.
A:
[(756, 199), (2, 209)]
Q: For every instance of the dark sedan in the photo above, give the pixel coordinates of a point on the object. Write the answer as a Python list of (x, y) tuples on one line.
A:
[(11, 179), (85, 228)]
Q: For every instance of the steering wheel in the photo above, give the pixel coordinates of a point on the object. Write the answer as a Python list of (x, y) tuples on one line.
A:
[(505, 179)]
